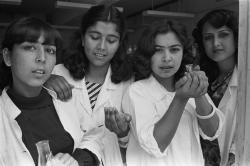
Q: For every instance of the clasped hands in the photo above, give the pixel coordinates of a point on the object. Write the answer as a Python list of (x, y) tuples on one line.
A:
[(193, 84)]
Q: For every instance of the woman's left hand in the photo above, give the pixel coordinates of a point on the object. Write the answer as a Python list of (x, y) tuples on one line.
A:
[(117, 122)]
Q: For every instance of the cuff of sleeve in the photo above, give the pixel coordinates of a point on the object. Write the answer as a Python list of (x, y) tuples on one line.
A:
[(219, 130)]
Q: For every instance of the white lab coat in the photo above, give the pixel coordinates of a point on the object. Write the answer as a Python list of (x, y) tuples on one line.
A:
[(147, 101), (110, 95), (229, 107), (13, 151)]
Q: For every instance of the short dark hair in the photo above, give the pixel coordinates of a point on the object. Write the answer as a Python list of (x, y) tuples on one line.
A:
[(26, 29), (216, 18), (145, 47), (75, 59)]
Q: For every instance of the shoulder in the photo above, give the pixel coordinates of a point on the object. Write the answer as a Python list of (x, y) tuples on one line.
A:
[(61, 70)]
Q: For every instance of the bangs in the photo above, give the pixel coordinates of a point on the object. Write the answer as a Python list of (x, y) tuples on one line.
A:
[(29, 34), (30, 30)]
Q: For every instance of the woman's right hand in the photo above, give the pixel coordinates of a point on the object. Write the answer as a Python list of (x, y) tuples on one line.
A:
[(60, 85)]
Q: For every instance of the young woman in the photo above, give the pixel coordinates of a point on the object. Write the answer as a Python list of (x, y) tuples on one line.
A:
[(217, 37), (28, 112), (96, 68), (169, 107)]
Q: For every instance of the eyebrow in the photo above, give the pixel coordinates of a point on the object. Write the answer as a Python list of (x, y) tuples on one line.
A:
[(111, 35)]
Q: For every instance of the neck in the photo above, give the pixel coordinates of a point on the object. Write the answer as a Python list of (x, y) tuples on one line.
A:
[(226, 65), (167, 83), (96, 74), (27, 91)]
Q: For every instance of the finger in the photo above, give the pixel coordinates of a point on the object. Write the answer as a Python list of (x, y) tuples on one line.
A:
[(188, 82), (128, 117), (106, 111), (113, 120), (195, 81), (181, 82), (196, 68)]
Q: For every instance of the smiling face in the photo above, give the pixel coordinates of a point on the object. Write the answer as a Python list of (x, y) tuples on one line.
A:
[(31, 65), (167, 58), (100, 43), (219, 43)]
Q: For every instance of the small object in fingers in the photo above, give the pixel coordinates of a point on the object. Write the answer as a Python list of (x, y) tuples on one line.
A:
[(189, 67)]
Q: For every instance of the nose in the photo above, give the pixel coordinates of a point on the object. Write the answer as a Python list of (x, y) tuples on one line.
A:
[(217, 41), (102, 44), (40, 55), (167, 56)]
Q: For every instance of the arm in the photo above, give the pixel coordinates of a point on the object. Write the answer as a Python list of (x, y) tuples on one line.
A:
[(165, 129), (204, 108)]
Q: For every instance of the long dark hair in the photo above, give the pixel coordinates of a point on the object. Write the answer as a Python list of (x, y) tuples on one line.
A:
[(74, 58), (145, 48), (217, 18), (27, 29)]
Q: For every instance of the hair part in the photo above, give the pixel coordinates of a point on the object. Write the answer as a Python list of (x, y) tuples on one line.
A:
[(74, 58)]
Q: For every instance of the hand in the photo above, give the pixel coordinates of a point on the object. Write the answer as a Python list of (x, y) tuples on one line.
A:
[(62, 159), (117, 122), (61, 86), (192, 84), (200, 82)]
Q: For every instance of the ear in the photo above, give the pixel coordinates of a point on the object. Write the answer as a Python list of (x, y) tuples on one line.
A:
[(6, 57)]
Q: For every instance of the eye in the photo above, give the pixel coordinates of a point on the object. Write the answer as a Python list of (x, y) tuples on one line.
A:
[(207, 37), (159, 49), (51, 50), (224, 34), (112, 40), (29, 47), (94, 36), (174, 50)]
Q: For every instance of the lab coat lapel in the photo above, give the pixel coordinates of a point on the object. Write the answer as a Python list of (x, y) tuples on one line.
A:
[(84, 98), (105, 93), (232, 86)]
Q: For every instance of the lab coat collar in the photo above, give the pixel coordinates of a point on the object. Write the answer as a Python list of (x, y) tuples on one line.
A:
[(13, 111)]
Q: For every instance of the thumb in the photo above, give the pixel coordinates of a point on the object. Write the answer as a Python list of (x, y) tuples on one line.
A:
[(71, 86), (181, 82), (127, 117)]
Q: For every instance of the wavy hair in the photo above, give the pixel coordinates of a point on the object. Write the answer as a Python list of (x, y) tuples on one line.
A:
[(74, 58), (217, 18), (146, 48)]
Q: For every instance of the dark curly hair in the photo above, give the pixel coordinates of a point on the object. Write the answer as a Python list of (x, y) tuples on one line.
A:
[(26, 29), (146, 48), (74, 58), (217, 18)]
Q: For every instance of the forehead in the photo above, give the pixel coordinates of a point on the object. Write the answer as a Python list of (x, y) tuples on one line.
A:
[(209, 28), (167, 39), (104, 28)]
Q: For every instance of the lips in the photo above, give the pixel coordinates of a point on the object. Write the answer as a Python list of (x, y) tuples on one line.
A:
[(39, 71), (99, 55), (165, 67), (217, 50)]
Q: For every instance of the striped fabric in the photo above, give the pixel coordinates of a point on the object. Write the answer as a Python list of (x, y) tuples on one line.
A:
[(93, 91)]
